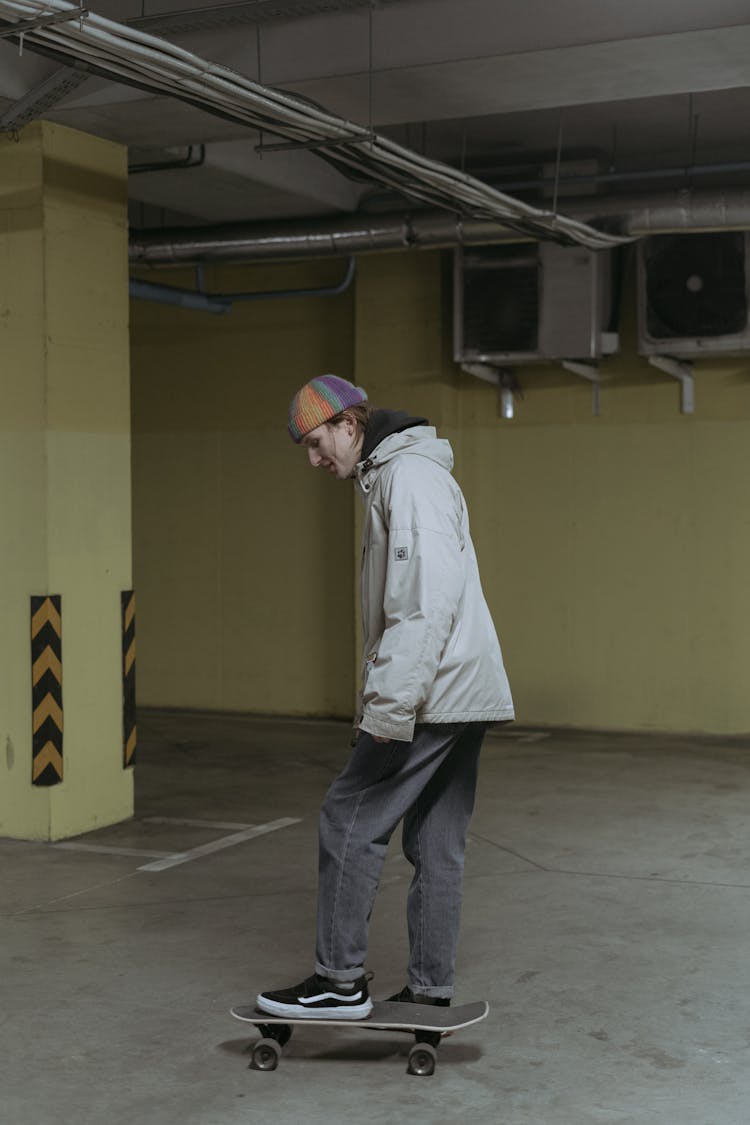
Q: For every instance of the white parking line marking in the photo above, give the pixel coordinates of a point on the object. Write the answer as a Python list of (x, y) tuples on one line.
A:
[(194, 823), (103, 849), (219, 845)]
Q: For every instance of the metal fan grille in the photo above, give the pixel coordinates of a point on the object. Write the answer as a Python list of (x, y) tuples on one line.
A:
[(500, 301), (696, 285)]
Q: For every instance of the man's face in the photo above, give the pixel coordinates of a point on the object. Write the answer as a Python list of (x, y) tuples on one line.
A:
[(334, 448)]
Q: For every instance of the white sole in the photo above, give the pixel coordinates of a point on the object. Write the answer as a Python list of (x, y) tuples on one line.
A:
[(296, 1012)]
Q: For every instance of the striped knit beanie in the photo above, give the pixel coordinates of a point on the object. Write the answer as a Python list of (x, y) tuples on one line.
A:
[(320, 400)]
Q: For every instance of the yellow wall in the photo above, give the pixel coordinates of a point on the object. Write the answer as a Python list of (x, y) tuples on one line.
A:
[(614, 550), (242, 554)]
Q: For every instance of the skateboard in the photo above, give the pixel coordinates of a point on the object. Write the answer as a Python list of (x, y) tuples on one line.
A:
[(427, 1022)]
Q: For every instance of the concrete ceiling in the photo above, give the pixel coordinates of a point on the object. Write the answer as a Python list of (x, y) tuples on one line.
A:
[(627, 91)]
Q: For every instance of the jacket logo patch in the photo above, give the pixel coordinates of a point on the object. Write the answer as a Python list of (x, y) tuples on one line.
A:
[(401, 554)]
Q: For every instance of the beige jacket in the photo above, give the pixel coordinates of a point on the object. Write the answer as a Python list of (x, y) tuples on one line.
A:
[(431, 654)]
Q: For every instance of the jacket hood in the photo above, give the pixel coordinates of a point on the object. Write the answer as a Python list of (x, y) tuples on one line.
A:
[(383, 423), (415, 438)]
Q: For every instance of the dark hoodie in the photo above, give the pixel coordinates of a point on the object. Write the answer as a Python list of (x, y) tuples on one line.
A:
[(382, 423)]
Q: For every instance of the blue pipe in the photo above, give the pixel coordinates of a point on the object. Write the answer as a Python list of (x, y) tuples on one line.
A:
[(183, 298), (219, 303)]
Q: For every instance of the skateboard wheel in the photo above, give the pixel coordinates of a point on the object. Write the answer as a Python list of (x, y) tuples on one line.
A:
[(422, 1060), (266, 1054)]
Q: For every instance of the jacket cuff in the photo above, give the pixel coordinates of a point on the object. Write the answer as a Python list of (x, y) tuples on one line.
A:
[(402, 731)]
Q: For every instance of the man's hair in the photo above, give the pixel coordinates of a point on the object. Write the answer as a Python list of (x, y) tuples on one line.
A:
[(360, 412)]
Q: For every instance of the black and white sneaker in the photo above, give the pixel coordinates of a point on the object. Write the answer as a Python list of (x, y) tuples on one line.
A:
[(319, 998)]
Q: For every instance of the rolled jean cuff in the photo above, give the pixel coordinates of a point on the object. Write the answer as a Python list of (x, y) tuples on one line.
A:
[(340, 976)]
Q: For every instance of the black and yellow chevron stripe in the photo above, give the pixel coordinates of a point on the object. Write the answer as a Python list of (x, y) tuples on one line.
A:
[(128, 677), (46, 680)]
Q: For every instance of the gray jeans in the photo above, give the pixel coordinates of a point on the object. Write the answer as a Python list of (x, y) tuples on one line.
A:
[(429, 783)]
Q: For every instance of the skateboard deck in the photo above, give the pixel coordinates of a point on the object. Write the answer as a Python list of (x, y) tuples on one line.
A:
[(428, 1022)]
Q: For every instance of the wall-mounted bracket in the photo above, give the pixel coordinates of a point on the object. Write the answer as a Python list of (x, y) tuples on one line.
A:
[(682, 370), (588, 371), (503, 378), (482, 371)]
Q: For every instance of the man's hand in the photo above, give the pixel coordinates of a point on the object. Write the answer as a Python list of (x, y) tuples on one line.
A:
[(379, 738)]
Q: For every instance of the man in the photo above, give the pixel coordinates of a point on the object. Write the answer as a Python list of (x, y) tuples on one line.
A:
[(432, 681)]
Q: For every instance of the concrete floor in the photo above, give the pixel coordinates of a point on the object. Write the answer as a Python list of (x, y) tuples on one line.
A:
[(606, 919)]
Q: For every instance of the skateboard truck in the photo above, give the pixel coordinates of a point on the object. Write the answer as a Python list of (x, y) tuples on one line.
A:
[(428, 1024), (266, 1053)]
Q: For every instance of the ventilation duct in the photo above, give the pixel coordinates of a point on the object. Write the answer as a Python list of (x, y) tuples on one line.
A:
[(311, 238), (359, 234)]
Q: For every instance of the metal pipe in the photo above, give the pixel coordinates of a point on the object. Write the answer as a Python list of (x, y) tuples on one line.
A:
[(358, 234), (687, 211), (313, 238), (271, 241), (188, 161), (271, 294)]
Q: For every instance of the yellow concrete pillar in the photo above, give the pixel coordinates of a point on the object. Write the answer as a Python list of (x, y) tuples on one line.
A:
[(64, 477)]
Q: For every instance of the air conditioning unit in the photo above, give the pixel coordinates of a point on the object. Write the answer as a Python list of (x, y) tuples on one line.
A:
[(530, 302), (693, 294)]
